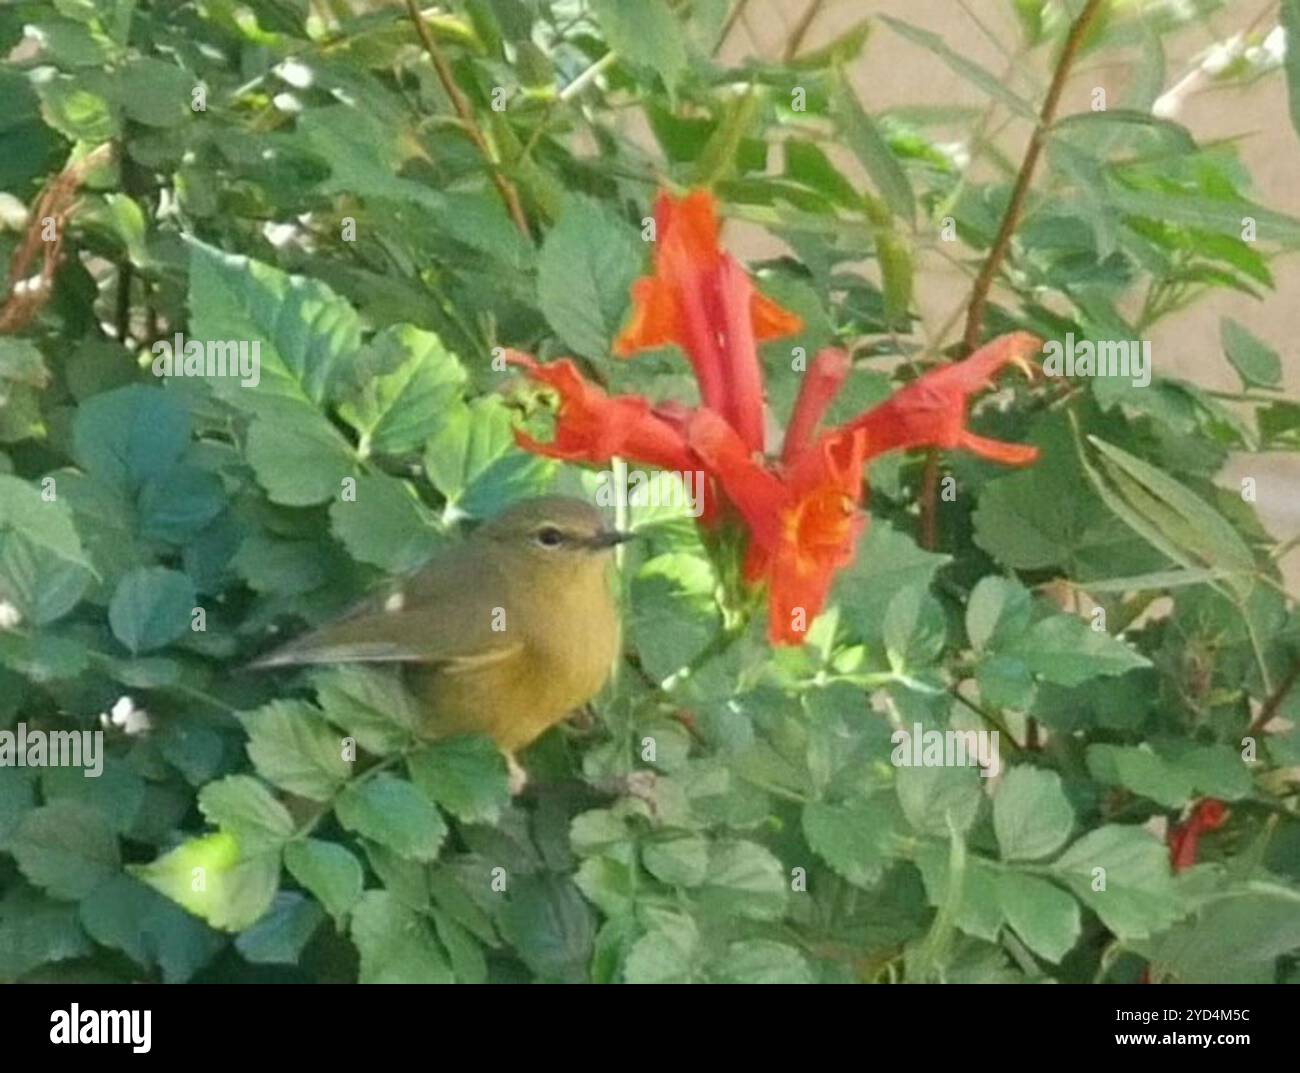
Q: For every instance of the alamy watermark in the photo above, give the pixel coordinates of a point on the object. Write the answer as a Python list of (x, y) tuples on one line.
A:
[(1106, 357), (919, 747), (215, 358), (21, 747), (664, 489)]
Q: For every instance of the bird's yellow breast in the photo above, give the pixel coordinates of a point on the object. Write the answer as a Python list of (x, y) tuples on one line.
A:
[(558, 665)]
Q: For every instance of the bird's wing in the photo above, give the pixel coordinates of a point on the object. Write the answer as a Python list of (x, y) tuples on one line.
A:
[(443, 614)]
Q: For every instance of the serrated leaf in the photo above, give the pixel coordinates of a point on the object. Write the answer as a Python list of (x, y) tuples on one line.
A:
[(1031, 815), (395, 943), (392, 812), (328, 871), (292, 748), (585, 273)]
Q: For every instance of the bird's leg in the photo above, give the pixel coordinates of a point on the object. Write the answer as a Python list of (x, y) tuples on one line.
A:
[(518, 777), (583, 719)]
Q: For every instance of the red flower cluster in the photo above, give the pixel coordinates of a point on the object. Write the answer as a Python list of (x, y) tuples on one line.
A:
[(803, 510)]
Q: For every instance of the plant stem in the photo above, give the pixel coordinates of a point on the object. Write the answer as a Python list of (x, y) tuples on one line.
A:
[(466, 114), (1020, 192), (1274, 702), (1002, 243), (801, 29)]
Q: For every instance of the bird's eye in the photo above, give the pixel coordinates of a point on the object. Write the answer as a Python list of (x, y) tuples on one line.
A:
[(550, 537)]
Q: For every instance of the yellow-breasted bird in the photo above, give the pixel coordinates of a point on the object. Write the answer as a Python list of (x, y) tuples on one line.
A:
[(504, 634)]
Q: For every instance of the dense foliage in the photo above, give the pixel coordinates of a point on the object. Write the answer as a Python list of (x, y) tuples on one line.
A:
[(381, 210)]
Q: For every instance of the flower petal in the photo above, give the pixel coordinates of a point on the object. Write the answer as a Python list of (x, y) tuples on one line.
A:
[(592, 426), (931, 411), (755, 491), (821, 383)]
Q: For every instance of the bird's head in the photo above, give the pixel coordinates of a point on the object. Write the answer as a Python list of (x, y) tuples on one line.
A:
[(553, 532)]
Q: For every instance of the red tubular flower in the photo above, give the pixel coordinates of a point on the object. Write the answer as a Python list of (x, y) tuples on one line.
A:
[(700, 299), (803, 519), (931, 411), (803, 512), (593, 427), (1185, 838)]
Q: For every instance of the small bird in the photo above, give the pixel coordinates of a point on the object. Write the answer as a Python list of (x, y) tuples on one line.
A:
[(505, 634)]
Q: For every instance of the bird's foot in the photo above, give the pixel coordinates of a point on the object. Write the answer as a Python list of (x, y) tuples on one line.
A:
[(517, 776)]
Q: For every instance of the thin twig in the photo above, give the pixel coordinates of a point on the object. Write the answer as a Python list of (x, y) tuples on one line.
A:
[(1274, 702), (730, 24), (462, 106), (801, 29), (1020, 192), (1002, 243)]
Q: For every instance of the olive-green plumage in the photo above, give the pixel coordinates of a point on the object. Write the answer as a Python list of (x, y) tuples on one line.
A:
[(505, 634)]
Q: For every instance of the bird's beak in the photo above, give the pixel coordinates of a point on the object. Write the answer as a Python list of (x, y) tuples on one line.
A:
[(608, 538)]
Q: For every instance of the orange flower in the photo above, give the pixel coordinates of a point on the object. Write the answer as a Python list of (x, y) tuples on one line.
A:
[(803, 512), (700, 299), (931, 410), (803, 515), (593, 427)]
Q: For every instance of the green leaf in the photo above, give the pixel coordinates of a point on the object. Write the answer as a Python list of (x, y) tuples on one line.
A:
[(299, 458), (65, 848), (664, 955), (304, 331), (36, 931), (116, 793), (386, 525), (467, 441), (292, 748), (887, 562), (1066, 650), (328, 871), (932, 797), (395, 943), (465, 774), (368, 704), (43, 569), (1043, 915), (550, 927), (585, 273), (761, 961), (1169, 516), (1031, 815), (177, 505), (245, 808), (1240, 929), (154, 92), (853, 838), (393, 813), (210, 877), (130, 436), (646, 33), (17, 798), (1142, 771), (975, 74), (871, 149), (745, 880), (1256, 363), (151, 608), (278, 938), (1122, 874), (1290, 18), (998, 608), (679, 862), (152, 930), (407, 379)]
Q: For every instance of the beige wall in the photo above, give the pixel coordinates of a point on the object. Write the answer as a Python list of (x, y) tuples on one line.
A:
[(894, 72)]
